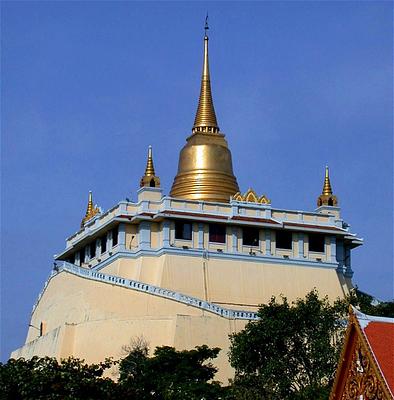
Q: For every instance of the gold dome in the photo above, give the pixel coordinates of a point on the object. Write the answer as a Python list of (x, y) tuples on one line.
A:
[(205, 170)]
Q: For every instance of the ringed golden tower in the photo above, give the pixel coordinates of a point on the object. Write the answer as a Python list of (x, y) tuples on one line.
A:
[(205, 170)]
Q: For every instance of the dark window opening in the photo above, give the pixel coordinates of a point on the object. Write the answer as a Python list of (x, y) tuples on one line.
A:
[(330, 202), (183, 230), (103, 244), (72, 259), (217, 233), (82, 255), (93, 249), (152, 183), (115, 236), (250, 236), (316, 242), (284, 240)]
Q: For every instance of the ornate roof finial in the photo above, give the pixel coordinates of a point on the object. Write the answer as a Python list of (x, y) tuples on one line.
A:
[(91, 210), (150, 179), (206, 27), (205, 120), (327, 198)]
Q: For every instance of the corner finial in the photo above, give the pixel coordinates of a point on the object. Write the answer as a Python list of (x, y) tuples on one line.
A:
[(150, 179), (91, 210), (327, 198)]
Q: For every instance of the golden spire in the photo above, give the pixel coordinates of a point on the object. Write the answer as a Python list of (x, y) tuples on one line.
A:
[(205, 168), (327, 185), (327, 198), (91, 210), (150, 179), (150, 169), (205, 120)]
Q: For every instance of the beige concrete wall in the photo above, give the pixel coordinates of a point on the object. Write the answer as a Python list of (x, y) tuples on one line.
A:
[(247, 283), (155, 235), (94, 320)]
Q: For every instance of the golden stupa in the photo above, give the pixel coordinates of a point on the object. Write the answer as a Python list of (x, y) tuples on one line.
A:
[(205, 170)]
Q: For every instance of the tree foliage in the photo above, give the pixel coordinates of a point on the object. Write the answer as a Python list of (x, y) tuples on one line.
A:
[(368, 305), (46, 378), (290, 352), (170, 374)]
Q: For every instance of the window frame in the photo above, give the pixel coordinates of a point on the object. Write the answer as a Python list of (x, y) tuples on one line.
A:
[(284, 232), (182, 235), (256, 230), (216, 234), (103, 244), (314, 236), (115, 230), (92, 246)]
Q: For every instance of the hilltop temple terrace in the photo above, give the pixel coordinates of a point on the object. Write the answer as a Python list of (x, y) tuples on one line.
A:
[(191, 267)]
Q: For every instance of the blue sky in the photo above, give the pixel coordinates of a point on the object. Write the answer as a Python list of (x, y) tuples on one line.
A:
[(87, 86)]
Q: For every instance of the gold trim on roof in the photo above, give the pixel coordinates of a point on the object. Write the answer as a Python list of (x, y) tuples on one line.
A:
[(251, 197), (91, 210)]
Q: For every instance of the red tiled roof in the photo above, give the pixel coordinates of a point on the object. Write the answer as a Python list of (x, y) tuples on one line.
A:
[(323, 227), (199, 215), (380, 336), (252, 219)]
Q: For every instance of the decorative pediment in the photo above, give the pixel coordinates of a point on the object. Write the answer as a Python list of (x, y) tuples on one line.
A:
[(91, 210), (251, 197), (359, 374)]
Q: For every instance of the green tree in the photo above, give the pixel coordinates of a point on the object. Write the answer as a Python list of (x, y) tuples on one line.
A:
[(369, 305), (170, 374), (291, 352), (46, 378)]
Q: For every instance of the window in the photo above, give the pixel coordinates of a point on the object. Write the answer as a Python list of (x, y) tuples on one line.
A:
[(72, 259), (114, 236), (250, 236), (316, 242), (217, 233), (183, 230), (93, 249), (82, 255), (103, 244), (284, 240)]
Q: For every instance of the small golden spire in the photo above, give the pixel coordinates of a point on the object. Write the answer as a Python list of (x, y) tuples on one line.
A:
[(327, 185), (150, 179), (327, 198), (205, 120), (150, 169), (91, 210)]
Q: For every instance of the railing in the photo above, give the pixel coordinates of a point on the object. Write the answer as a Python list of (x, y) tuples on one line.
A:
[(154, 290)]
